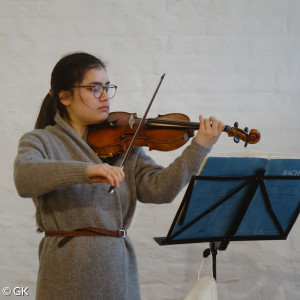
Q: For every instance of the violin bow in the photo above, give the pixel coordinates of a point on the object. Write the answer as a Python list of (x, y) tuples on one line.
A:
[(129, 149)]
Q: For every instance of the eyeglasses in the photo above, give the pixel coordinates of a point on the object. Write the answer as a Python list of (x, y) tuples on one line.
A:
[(99, 89)]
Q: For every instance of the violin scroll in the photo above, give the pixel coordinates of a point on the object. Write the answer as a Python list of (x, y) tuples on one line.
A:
[(238, 134)]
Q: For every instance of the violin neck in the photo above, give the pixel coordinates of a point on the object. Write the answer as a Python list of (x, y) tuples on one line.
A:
[(165, 123), (180, 125)]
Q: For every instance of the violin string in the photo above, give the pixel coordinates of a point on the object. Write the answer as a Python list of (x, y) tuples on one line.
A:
[(183, 124)]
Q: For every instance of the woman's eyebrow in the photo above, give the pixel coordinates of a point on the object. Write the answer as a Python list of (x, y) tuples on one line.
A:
[(97, 82)]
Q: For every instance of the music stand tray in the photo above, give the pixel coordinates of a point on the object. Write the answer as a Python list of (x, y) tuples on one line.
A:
[(238, 199)]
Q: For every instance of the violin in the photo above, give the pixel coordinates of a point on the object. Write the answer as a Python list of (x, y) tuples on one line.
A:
[(163, 133)]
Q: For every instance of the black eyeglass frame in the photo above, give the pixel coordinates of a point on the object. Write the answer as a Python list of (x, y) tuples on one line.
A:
[(105, 88)]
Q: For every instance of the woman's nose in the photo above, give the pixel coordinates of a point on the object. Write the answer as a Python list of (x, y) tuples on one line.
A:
[(104, 96)]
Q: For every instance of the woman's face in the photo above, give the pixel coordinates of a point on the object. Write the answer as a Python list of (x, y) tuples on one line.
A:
[(83, 107)]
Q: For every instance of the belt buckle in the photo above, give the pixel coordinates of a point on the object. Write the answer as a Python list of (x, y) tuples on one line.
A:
[(122, 232)]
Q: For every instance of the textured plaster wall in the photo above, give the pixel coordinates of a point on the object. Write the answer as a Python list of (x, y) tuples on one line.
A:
[(235, 59)]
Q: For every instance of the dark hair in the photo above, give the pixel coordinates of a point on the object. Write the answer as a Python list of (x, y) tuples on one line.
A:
[(67, 72)]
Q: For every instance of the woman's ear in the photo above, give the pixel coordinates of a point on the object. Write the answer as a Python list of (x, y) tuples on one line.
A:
[(65, 97)]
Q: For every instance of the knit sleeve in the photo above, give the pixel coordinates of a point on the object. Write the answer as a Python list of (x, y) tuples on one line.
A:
[(36, 174), (156, 184)]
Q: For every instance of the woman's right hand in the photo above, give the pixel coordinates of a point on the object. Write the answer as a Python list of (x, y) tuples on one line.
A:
[(106, 173)]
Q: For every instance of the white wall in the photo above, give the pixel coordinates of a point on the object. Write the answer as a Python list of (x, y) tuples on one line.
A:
[(237, 60)]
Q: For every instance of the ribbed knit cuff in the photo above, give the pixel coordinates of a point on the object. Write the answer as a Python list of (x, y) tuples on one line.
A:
[(73, 173), (196, 155)]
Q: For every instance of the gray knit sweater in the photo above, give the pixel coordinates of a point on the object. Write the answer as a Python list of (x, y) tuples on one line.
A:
[(51, 168)]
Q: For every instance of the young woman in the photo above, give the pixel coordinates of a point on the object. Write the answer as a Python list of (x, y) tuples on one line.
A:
[(86, 253)]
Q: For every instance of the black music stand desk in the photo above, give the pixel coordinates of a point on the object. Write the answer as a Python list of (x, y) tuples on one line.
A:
[(237, 199)]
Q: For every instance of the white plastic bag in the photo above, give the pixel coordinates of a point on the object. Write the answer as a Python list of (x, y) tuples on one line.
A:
[(204, 289)]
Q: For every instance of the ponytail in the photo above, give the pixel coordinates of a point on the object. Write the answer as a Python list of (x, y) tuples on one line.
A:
[(47, 113)]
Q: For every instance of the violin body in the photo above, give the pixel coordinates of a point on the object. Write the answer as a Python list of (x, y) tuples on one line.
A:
[(114, 136), (163, 133)]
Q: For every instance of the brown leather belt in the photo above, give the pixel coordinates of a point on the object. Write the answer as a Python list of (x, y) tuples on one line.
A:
[(88, 231)]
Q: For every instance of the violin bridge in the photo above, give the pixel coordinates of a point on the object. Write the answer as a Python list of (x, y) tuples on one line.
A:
[(131, 121)]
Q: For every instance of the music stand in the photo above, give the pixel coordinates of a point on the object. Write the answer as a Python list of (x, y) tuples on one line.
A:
[(248, 199)]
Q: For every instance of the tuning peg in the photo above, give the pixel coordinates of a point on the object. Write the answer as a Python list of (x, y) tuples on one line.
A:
[(246, 144), (236, 124), (236, 139), (246, 129)]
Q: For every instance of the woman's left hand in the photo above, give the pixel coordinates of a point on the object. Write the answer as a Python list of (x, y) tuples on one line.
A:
[(209, 131)]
